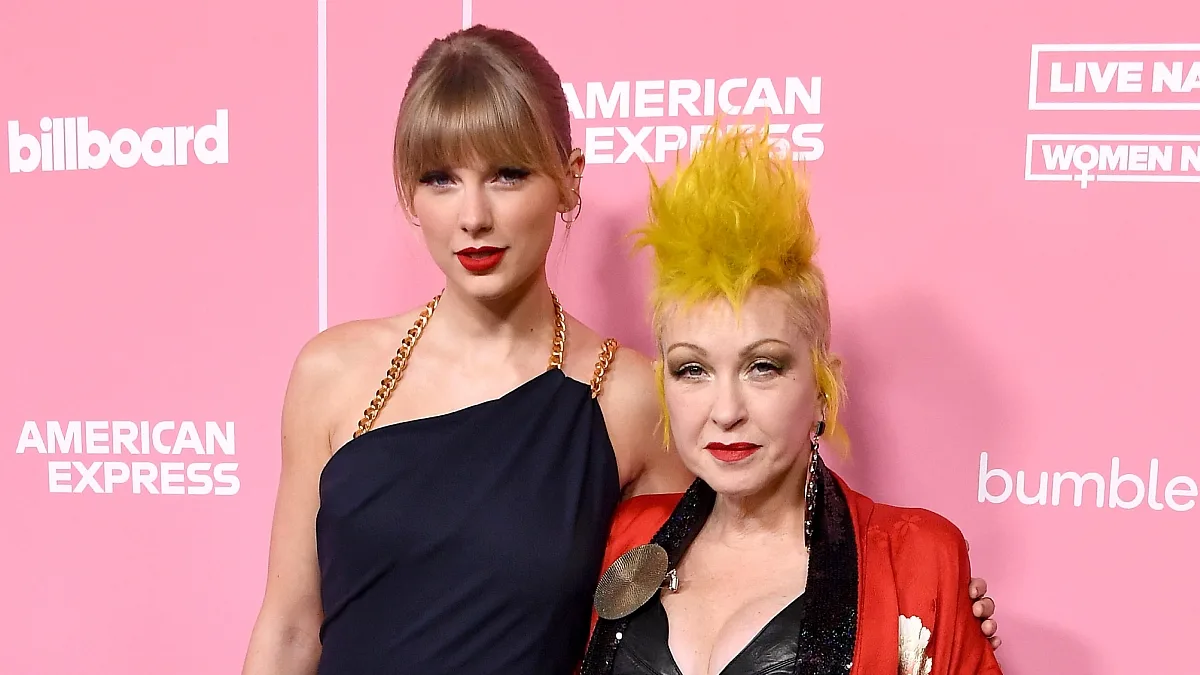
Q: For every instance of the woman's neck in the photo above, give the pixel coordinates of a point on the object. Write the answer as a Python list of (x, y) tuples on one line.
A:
[(776, 511), (522, 316)]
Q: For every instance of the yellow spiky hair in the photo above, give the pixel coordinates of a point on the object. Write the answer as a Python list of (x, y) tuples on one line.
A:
[(735, 216)]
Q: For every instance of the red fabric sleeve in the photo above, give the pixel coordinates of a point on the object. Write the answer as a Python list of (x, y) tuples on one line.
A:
[(934, 555)]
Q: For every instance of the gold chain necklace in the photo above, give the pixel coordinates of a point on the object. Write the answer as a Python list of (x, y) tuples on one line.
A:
[(400, 360)]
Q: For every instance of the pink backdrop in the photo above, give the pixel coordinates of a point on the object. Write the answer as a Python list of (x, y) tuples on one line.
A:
[(1006, 196)]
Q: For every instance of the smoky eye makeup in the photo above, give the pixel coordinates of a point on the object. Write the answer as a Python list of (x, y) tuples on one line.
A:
[(766, 367), (770, 361), (684, 366)]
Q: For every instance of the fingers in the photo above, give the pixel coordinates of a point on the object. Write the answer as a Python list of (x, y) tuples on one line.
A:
[(977, 588), (984, 609), (995, 643)]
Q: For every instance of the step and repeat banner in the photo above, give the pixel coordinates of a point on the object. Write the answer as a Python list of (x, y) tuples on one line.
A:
[(1007, 198)]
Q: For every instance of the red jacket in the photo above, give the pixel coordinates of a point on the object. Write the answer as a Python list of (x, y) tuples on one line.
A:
[(911, 562)]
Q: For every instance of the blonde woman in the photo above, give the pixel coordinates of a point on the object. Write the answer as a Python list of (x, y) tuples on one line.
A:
[(769, 564)]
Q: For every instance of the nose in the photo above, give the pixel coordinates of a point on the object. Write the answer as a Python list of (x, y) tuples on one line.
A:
[(729, 406), (475, 210)]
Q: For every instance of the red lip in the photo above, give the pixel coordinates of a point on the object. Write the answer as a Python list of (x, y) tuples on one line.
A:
[(481, 259), (732, 452)]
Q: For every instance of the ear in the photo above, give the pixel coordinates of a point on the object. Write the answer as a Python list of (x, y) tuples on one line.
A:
[(819, 426), (575, 166)]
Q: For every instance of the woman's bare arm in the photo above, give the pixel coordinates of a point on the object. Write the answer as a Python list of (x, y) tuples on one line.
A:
[(285, 638)]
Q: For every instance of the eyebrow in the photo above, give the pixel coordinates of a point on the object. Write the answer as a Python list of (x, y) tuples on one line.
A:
[(747, 349)]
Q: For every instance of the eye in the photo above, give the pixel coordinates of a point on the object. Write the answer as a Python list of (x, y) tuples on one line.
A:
[(435, 179), (511, 175), (765, 368), (688, 371)]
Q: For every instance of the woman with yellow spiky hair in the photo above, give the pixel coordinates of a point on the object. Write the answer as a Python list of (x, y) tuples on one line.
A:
[(769, 563)]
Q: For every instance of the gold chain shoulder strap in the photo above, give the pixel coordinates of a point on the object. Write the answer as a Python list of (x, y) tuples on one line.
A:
[(396, 371), (558, 349), (606, 355)]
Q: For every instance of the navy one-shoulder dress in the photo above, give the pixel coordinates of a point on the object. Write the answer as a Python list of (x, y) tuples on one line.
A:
[(470, 542)]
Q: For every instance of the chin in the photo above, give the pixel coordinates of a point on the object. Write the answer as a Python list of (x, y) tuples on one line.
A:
[(493, 286), (734, 480), (498, 284), (486, 288)]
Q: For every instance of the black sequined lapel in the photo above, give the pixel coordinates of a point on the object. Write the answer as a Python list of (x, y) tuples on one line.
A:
[(830, 624), (677, 534)]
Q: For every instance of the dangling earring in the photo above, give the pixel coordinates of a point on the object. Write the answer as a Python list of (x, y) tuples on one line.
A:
[(815, 467), (578, 206)]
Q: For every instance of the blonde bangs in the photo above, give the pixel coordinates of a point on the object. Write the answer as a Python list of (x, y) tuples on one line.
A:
[(471, 118)]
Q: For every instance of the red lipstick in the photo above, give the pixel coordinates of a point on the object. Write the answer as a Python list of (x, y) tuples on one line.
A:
[(732, 452), (481, 259)]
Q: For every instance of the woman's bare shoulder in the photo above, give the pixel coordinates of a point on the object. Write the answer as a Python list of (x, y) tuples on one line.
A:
[(628, 390), (339, 366), (353, 344), (633, 414)]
